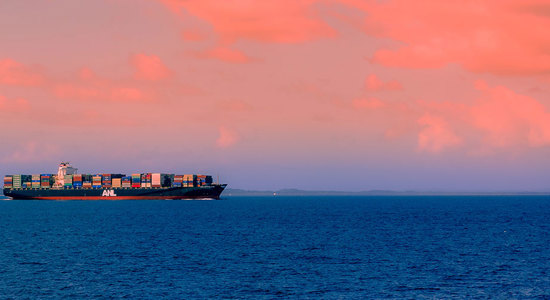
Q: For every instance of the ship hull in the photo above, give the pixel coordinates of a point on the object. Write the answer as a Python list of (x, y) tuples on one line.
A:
[(173, 193)]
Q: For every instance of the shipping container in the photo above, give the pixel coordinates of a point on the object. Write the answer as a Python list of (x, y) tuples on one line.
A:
[(117, 182), (155, 180), (136, 180)]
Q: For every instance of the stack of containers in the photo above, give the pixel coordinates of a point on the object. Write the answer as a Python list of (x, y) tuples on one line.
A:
[(201, 180), (8, 181), (189, 180), (209, 180), (146, 180), (127, 181), (26, 181), (178, 179), (136, 180), (35, 181), (68, 181), (16, 181), (87, 181), (77, 180), (86, 184), (155, 180), (117, 182), (96, 181), (166, 180), (45, 181), (107, 182)]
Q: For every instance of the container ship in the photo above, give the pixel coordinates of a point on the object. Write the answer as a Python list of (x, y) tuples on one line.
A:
[(68, 184)]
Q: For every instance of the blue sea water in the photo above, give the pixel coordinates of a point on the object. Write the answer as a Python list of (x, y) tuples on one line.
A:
[(278, 247)]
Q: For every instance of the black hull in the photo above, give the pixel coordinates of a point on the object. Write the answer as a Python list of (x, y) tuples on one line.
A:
[(203, 192)]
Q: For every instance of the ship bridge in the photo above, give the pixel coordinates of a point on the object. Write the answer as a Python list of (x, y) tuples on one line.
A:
[(65, 168)]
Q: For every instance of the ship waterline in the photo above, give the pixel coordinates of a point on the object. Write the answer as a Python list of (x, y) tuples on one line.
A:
[(207, 192)]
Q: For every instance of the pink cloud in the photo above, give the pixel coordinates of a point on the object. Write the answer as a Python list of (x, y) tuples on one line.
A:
[(13, 106), (436, 135), (109, 92), (88, 86), (370, 103), (87, 74), (227, 137), (500, 116), (281, 21), (149, 67), (15, 73), (126, 94), (32, 151), (73, 91), (223, 54), (373, 83), (191, 35), (500, 37), (508, 118)]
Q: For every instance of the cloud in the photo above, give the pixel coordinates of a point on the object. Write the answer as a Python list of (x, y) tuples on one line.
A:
[(32, 151), (500, 37), (149, 67), (17, 74), (88, 86), (370, 103), (224, 54), (436, 134), (501, 118), (75, 91), (79, 91), (227, 137), (87, 74), (13, 106), (193, 35), (126, 94), (277, 21), (509, 119), (373, 83)]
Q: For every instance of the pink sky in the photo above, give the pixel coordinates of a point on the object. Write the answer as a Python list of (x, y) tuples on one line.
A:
[(312, 94)]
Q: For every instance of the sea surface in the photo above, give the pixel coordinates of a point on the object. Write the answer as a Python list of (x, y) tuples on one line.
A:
[(405, 247)]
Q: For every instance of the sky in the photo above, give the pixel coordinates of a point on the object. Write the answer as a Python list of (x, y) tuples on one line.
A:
[(344, 95)]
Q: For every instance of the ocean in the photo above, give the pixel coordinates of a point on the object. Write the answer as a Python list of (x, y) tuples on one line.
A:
[(327, 247)]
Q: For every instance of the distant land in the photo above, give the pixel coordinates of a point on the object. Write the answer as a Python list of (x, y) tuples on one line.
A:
[(298, 192)]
